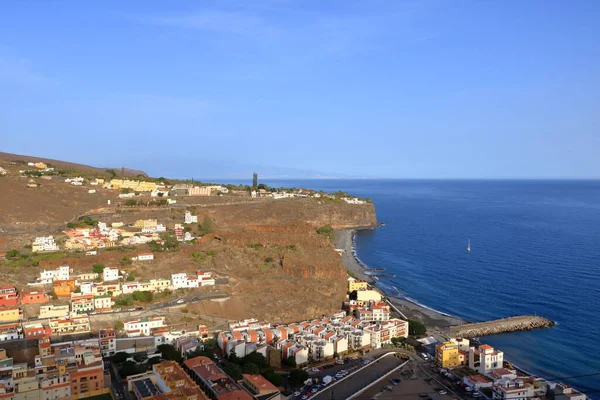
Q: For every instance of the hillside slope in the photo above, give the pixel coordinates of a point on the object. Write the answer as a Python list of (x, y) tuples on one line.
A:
[(9, 157)]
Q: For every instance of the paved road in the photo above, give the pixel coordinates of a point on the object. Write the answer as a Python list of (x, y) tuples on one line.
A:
[(119, 391), (354, 383), (184, 300)]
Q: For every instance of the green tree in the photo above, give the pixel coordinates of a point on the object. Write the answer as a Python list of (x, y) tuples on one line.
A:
[(325, 230), (118, 325), (256, 358), (111, 172), (130, 202), (170, 241), (128, 370), (119, 357), (250, 368), (234, 371), (298, 377), (169, 352), (353, 295), (153, 360), (144, 297), (416, 328), (269, 260), (125, 190), (12, 254), (130, 277), (98, 268), (290, 361), (274, 378), (207, 226), (262, 186)]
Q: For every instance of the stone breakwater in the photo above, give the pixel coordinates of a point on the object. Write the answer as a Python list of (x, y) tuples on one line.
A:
[(511, 324)]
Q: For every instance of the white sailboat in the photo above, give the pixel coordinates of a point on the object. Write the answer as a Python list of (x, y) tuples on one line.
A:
[(469, 245)]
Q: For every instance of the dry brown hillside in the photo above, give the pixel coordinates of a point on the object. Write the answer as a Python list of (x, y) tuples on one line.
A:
[(278, 267)]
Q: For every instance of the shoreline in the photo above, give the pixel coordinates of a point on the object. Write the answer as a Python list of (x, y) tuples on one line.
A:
[(434, 320)]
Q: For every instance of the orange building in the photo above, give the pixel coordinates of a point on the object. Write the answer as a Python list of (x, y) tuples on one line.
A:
[(64, 288), (88, 380), (34, 297)]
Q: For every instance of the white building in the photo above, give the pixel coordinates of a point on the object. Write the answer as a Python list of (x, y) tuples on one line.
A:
[(144, 326), (205, 279), (44, 243), (110, 274), (86, 287), (145, 257), (485, 358), (182, 280), (10, 332), (190, 219), (354, 200), (61, 273)]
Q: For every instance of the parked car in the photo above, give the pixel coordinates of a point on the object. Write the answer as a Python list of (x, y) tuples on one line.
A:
[(179, 301), (388, 387), (442, 392), (296, 394)]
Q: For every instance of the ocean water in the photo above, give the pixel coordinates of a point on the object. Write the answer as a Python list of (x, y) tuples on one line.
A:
[(535, 250)]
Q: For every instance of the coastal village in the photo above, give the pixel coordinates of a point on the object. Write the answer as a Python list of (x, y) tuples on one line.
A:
[(101, 331)]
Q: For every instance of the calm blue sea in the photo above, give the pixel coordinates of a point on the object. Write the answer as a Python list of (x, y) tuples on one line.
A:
[(535, 249)]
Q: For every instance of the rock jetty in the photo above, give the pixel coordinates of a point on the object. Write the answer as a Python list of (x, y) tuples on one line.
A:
[(511, 324)]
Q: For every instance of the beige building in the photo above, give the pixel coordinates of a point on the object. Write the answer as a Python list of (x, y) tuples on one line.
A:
[(365, 296)]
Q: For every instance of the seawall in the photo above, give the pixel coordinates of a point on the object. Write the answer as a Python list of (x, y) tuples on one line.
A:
[(503, 325)]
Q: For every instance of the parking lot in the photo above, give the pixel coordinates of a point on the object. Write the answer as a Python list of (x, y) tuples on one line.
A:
[(355, 382), (415, 384)]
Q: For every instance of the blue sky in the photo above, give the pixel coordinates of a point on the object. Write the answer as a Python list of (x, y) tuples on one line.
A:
[(400, 89)]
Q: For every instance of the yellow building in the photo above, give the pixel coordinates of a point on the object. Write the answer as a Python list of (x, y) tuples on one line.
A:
[(158, 285), (451, 354), (10, 314), (40, 165), (354, 284), (146, 223)]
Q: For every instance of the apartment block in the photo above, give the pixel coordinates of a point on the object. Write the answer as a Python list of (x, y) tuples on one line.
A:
[(70, 325)]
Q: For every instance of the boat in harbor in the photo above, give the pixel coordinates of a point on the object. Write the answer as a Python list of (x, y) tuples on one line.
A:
[(469, 245)]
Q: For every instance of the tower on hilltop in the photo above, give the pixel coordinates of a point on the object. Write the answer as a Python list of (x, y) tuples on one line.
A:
[(254, 180)]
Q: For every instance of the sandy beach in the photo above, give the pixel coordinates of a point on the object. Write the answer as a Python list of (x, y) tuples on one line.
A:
[(433, 319)]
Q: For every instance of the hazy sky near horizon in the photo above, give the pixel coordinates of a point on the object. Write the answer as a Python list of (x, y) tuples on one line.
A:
[(400, 89)]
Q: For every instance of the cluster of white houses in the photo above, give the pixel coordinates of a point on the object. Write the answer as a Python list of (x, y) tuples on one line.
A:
[(112, 281), (309, 341)]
